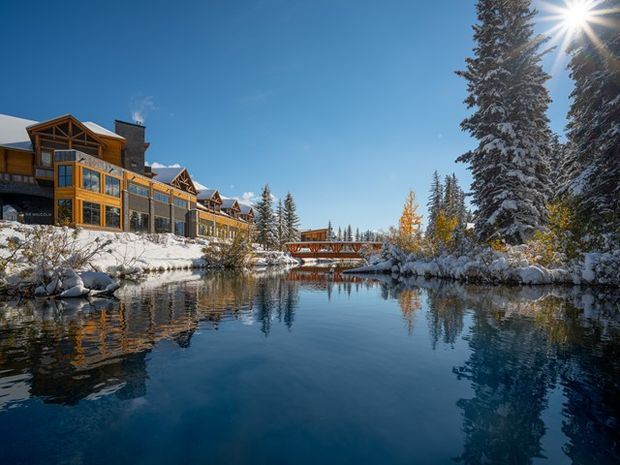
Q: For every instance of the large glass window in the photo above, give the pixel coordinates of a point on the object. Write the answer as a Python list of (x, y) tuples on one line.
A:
[(65, 211), (179, 228), (180, 202), (65, 175), (162, 225), (91, 180), (137, 189), (112, 186), (161, 197), (46, 158), (138, 222), (91, 213), (113, 217)]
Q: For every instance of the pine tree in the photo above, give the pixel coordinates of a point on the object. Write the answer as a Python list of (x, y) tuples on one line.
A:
[(281, 224), (358, 238), (330, 231), (266, 233), (291, 219), (339, 236), (349, 234), (506, 86), (435, 202), (594, 119)]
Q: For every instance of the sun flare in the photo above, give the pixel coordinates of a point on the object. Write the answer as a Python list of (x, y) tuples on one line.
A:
[(577, 15)]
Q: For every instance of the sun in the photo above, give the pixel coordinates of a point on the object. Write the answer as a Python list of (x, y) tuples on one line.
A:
[(577, 15)]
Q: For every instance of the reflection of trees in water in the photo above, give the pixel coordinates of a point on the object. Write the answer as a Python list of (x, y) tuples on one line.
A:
[(525, 342), (69, 350), (510, 373)]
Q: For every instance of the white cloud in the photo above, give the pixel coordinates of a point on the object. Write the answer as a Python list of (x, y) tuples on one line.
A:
[(247, 198), (161, 165)]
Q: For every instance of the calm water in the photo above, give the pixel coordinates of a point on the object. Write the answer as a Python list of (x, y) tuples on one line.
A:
[(306, 368)]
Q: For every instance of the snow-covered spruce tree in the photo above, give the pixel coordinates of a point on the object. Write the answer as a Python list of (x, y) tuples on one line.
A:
[(506, 86), (266, 233), (594, 119), (435, 201), (291, 218), (281, 231)]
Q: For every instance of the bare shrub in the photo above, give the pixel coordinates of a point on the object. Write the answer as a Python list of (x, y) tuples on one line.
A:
[(235, 254)]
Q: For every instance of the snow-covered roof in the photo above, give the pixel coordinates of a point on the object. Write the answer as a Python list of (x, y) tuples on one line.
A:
[(166, 175), (206, 194), (101, 130), (228, 203), (199, 186), (245, 209), (13, 133)]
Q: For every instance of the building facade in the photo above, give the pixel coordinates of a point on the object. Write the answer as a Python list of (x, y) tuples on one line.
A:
[(64, 171)]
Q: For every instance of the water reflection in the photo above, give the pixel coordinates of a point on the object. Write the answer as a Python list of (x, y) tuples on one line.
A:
[(520, 347)]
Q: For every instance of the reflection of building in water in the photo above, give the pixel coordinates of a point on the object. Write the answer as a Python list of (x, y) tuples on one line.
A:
[(67, 353)]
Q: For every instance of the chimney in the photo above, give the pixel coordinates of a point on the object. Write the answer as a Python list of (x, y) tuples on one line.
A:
[(135, 146)]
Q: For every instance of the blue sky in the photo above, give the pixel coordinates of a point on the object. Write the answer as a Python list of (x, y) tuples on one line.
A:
[(346, 103)]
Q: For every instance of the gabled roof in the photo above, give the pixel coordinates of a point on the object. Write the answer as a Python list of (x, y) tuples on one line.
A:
[(245, 209), (166, 175), (209, 194), (101, 130), (175, 177), (229, 203), (13, 133)]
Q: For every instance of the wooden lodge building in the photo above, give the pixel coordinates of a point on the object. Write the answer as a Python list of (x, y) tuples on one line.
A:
[(65, 171)]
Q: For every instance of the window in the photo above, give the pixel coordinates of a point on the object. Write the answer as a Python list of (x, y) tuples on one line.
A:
[(138, 222), (161, 197), (112, 186), (162, 225), (180, 202), (65, 211), (91, 213), (90, 180), (46, 158), (179, 228), (65, 176), (113, 217), (139, 190)]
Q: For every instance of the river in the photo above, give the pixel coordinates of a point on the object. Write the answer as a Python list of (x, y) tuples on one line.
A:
[(304, 367)]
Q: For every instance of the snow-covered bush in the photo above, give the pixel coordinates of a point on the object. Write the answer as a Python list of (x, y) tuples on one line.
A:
[(42, 258), (235, 254)]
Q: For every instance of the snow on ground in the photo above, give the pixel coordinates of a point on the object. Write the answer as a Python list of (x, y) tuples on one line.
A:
[(488, 266), (130, 252)]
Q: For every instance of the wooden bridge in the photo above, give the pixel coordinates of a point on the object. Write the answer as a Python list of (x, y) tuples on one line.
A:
[(330, 249)]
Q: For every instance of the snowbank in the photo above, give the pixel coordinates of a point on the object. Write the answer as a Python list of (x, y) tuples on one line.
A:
[(117, 254), (489, 266)]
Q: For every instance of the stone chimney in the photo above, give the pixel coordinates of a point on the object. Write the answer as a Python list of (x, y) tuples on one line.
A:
[(135, 146)]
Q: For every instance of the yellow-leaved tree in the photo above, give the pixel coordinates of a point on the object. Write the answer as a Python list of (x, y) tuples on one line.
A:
[(409, 235), (445, 226)]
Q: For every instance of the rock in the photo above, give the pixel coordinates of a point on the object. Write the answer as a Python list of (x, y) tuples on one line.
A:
[(71, 279), (40, 291), (97, 280), (75, 291)]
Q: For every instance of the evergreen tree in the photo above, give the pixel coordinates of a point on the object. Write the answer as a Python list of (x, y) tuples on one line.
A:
[(291, 219), (349, 236), (435, 202), (330, 231), (506, 86), (594, 117), (358, 238), (281, 230), (339, 236), (266, 233)]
